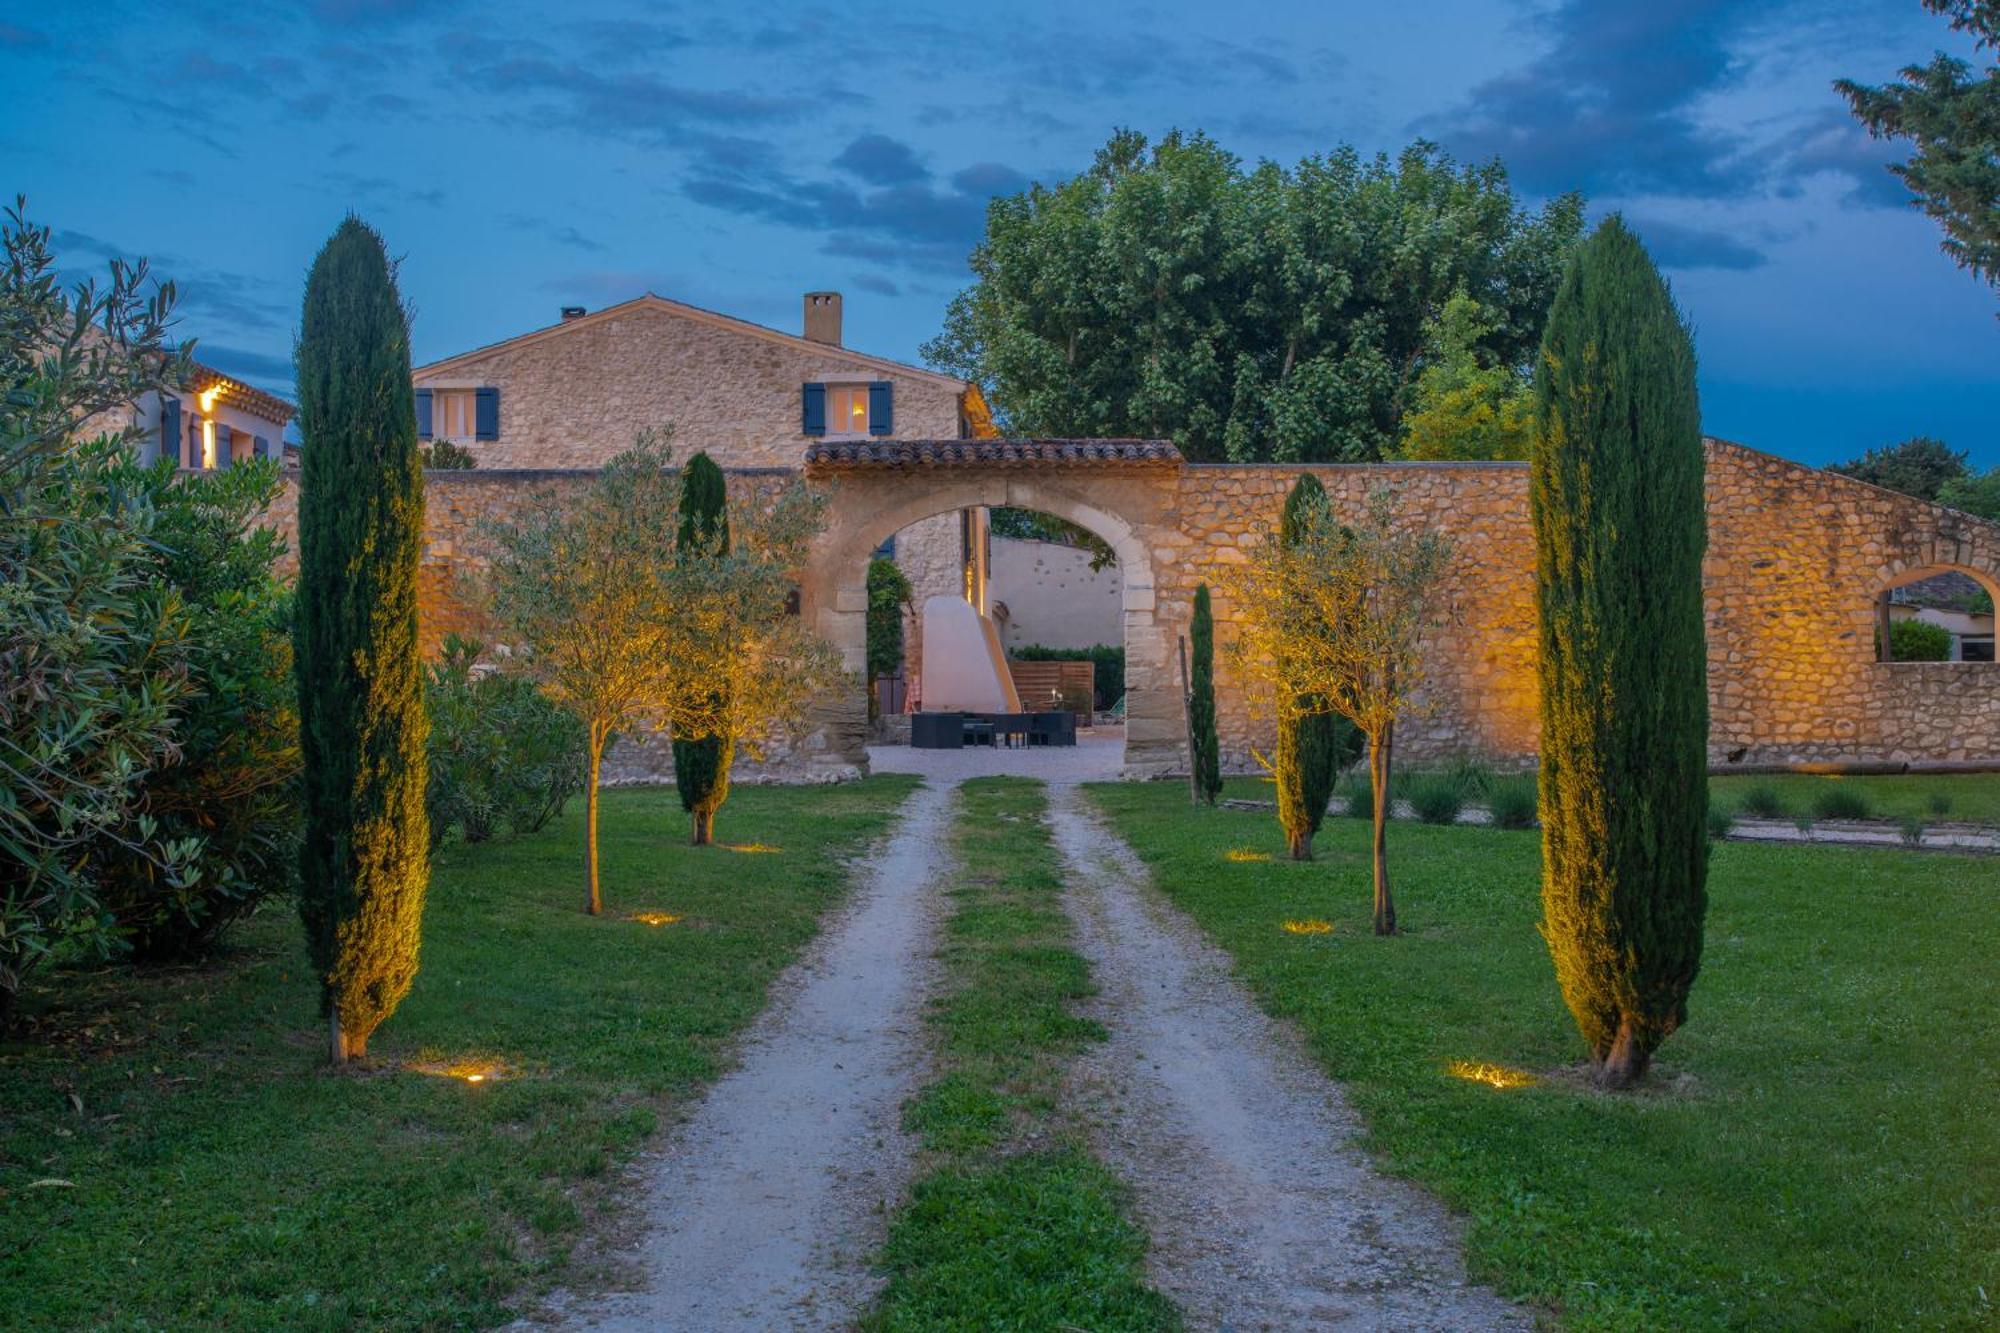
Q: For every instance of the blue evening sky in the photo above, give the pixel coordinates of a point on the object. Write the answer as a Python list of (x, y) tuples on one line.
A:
[(522, 156)]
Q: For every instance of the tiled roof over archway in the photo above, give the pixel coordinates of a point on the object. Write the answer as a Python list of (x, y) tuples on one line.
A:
[(855, 455)]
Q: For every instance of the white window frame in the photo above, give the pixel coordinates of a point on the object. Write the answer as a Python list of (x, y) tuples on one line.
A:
[(847, 409)]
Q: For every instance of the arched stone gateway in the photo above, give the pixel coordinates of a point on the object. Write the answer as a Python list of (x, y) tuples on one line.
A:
[(1798, 559), (1121, 490)]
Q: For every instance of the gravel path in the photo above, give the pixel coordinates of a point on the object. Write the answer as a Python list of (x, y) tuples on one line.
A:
[(1240, 1154), (767, 1205)]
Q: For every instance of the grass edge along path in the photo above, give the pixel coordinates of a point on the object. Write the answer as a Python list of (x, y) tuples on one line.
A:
[(216, 1173), (1819, 1150), (1012, 1223)]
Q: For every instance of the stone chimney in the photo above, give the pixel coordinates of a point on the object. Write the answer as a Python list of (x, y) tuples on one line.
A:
[(570, 312), (823, 317)]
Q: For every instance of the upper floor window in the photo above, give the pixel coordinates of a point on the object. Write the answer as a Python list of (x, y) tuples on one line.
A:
[(458, 414), (864, 408)]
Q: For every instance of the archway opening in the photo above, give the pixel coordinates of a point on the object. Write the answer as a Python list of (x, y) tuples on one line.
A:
[(1940, 614), (1013, 623)]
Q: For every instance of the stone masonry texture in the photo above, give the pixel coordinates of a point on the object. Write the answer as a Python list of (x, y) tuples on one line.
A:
[(1797, 559)]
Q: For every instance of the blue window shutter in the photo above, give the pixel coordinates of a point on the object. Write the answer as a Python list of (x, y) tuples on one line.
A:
[(423, 414), (263, 446), (222, 441), (170, 429), (815, 409), (881, 408), (486, 414)]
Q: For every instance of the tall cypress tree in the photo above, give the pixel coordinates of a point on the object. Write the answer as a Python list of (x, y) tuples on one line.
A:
[(1201, 700), (1312, 745), (362, 728), (1620, 527), (701, 764)]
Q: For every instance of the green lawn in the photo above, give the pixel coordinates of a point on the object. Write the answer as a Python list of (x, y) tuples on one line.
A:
[(1822, 1151), (1013, 1224), (215, 1172)]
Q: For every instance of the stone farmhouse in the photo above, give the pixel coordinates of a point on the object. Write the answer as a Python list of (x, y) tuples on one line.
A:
[(575, 393), (215, 420), (1801, 574)]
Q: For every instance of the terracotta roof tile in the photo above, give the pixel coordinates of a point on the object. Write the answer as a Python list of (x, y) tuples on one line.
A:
[(847, 455)]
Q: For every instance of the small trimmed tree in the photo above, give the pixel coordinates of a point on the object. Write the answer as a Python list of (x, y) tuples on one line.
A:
[(1201, 699), (364, 865), (889, 594), (1337, 616), (584, 586), (1313, 741), (1620, 526), (701, 765)]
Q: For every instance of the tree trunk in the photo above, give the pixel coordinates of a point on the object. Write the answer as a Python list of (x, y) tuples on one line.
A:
[(596, 904), (342, 1047), (1300, 841), (1378, 778), (1626, 1062), (704, 827)]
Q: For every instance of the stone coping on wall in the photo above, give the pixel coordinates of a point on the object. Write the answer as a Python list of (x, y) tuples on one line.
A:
[(1097, 455)]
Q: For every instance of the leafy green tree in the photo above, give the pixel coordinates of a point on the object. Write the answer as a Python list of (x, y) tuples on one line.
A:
[(1976, 493), (584, 589), (1467, 405), (1035, 526), (1951, 115), (502, 756), (701, 765), (1275, 313), (365, 865), (1201, 699), (1919, 466), (889, 594), (93, 652), (1620, 526)]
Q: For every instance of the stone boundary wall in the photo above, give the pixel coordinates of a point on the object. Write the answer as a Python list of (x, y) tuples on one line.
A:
[(1797, 559)]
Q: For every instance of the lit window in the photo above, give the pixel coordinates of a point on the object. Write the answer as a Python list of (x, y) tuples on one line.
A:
[(452, 414), (847, 409)]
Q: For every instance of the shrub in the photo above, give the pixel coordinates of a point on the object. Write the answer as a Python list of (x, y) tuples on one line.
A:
[(443, 455), (1206, 759), (234, 792), (1720, 822), (889, 594), (1919, 641), (502, 757), (1108, 678), (1359, 793), (1437, 798), (1939, 803), (1513, 801), (1764, 801), (1474, 778), (1838, 801), (1913, 831)]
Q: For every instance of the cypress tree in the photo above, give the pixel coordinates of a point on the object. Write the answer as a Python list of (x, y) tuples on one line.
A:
[(362, 728), (1312, 745), (1620, 525), (1201, 700), (701, 763)]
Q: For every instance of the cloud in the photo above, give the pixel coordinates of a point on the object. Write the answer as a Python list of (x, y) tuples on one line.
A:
[(880, 160), (350, 13), (257, 367), (1675, 245), (15, 38), (205, 298), (1838, 145), (629, 105), (558, 234), (875, 282), (1610, 107)]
